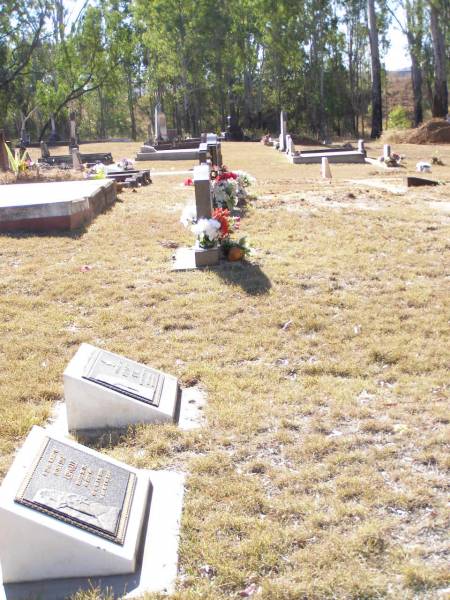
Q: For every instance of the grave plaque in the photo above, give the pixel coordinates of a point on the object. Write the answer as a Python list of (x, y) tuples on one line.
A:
[(80, 489), (125, 376)]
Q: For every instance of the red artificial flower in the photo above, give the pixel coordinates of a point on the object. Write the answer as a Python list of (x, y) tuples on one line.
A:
[(223, 216), (188, 182), (227, 175)]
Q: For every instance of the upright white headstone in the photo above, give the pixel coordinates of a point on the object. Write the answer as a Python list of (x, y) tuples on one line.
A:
[(326, 171), (69, 511), (386, 152), (283, 131), (361, 146), (163, 126), (157, 130), (105, 390)]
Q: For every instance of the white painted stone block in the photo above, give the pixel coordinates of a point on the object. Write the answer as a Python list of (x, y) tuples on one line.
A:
[(105, 390), (37, 545), (326, 171)]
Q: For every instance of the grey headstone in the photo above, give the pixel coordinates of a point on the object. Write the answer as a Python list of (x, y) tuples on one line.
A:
[(76, 159), (45, 153), (202, 183)]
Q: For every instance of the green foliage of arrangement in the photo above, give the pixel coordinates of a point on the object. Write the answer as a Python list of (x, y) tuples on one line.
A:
[(399, 118)]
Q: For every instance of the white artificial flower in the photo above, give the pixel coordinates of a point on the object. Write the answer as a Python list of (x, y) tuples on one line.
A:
[(208, 227), (189, 215)]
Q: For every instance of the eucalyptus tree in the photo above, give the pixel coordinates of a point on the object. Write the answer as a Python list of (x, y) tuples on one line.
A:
[(377, 110), (439, 16), (77, 66), (22, 26), (414, 30)]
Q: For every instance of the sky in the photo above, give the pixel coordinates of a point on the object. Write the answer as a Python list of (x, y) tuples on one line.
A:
[(395, 59)]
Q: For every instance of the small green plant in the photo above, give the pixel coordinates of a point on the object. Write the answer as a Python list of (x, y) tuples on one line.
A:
[(17, 163), (399, 118)]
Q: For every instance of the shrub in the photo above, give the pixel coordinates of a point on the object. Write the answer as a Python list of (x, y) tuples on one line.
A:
[(399, 118)]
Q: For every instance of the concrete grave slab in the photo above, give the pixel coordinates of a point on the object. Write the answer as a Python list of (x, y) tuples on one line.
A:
[(186, 259), (334, 156), (174, 154), (104, 390), (156, 558), (63, 205)]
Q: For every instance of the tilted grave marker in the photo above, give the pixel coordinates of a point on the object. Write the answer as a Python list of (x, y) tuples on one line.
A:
[(106, 390), (69, 511)]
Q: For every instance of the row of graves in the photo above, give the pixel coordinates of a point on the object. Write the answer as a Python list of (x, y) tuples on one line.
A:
[(346, 154), (61, 205), (215, 216), (71, 517)]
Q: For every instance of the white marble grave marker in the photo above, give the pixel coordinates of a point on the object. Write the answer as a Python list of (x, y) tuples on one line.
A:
[(69, 511), (105, 390), (283, 131), (326, 171)]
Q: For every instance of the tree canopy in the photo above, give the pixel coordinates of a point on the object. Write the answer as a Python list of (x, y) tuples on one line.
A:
[(114, 60)]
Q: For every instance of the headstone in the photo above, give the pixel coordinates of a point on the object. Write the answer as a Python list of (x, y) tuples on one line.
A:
[(162, 126), (69, 511), (76, 159), (157, 131), (150, 135), (234, 130), (290, 147), (283, 131), (45, 153), (386, 152), (211, 141), (202, 183), (4, 161), (326, 171), (202, 153), (361, 146), (105, 390), (219, 155)]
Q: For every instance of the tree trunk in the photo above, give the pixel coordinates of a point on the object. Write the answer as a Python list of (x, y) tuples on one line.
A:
[(416, 77), (377, 111), (440, 92), (131, 105)]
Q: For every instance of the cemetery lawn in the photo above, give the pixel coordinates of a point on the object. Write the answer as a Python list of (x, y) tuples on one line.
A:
[(321, 472)]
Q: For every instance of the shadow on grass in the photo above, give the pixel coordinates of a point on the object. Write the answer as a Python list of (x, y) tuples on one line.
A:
[(245, 274)]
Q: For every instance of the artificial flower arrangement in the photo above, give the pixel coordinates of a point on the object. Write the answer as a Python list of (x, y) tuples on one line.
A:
[(229, 187), (216, 230)]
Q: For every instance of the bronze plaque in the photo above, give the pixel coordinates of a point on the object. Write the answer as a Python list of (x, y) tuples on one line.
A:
[(125, 376), (80, 489)]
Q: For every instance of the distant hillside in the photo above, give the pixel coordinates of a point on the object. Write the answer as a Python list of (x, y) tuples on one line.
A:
[(399, 89)]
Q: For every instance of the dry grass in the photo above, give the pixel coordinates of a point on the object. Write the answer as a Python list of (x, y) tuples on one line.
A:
[(322, 471)]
